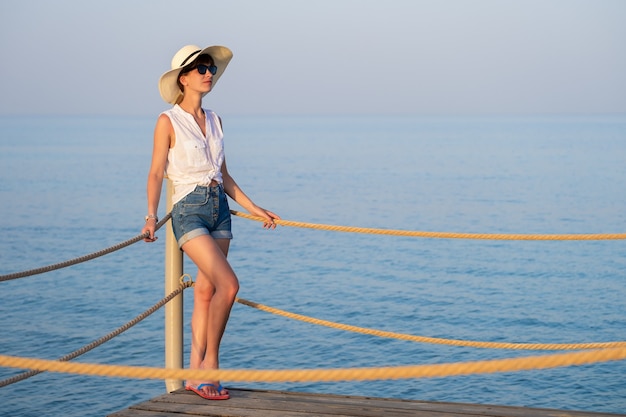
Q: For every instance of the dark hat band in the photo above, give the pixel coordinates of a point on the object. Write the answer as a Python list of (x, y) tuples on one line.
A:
[(187, 59)]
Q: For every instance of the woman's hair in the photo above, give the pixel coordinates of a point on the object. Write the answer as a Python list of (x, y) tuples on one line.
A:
[(200, 59)]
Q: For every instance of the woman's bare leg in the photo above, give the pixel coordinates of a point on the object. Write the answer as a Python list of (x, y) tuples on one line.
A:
[(214, 294)]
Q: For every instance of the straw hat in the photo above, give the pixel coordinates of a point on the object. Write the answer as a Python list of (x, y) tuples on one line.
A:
[(168, 83)]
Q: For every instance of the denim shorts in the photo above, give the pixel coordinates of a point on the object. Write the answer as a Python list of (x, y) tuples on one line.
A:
[(204, 211)]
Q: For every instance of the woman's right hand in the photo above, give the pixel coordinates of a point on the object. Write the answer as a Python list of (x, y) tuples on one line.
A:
[(150, 228)]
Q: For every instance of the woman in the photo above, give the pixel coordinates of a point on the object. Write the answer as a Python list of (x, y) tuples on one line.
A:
[(188, 148)]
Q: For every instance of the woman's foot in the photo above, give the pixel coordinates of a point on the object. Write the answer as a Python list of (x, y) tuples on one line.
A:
[(209, 391)]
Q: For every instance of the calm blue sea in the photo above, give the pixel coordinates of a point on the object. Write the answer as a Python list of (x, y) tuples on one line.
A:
[(70, 186)]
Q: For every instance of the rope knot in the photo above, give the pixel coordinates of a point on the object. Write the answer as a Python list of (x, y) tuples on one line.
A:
[(186, 281)]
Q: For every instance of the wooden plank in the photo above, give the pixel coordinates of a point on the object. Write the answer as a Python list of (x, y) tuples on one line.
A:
[(257, 403), (260, 403), (129, 412)]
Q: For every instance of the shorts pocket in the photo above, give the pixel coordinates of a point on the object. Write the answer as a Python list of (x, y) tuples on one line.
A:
[(196, 198)]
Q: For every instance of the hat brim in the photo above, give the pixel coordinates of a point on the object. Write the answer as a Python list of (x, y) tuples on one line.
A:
[(168, 83)]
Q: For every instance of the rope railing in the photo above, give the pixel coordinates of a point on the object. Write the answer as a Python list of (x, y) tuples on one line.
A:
[(438, 235), (602, 351), (305, 375), (81, 259), (349, 229), (184, 283), (325, 375), (432, 340)]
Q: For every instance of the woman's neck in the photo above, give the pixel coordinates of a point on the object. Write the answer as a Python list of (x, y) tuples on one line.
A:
[(192, 105), (194, 108)]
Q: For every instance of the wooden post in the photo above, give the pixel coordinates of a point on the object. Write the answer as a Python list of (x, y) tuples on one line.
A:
[(173, 309)]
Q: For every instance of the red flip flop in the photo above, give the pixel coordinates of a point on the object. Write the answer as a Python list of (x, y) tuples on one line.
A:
[(198, 390)]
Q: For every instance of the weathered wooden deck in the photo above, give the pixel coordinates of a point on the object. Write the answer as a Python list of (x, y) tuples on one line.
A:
[(256, 403)]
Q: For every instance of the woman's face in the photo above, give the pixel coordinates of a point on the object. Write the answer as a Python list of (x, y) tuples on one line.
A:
[(198, 75)]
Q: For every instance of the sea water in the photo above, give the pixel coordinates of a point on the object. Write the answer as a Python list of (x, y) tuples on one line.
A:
[(70, 186)]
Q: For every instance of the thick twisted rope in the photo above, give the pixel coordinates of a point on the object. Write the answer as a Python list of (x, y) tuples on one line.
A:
[(417, 371), (339, 374), (440, 235), (432, 340), (185, 283), (81, 259)]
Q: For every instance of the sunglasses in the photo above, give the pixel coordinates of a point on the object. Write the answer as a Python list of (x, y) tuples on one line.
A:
[(202, 69)]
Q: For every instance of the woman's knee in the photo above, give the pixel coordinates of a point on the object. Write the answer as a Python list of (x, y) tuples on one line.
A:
[(231, 289), (203, 289), (224, 286)]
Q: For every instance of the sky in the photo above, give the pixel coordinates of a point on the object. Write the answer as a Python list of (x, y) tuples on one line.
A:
[(319, 57)]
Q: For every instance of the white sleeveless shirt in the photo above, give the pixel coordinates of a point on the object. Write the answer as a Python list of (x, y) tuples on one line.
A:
[(195, 159)]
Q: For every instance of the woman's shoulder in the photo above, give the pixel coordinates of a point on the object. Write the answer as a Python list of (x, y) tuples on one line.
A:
[(164, 117), (164, 123), (209, 111), (171, 111), (211, 115)]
